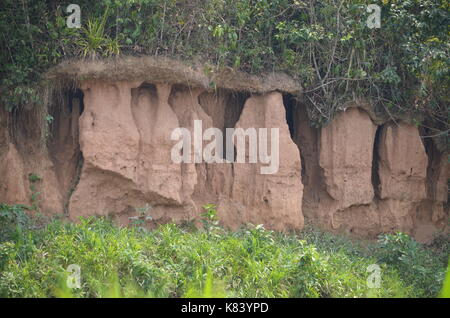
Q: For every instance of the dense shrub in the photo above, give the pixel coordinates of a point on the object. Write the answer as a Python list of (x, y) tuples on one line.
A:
[(13, 220), (417, 266), (175, 261)]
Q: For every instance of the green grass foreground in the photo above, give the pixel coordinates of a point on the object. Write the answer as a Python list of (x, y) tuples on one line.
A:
[(181, 261)]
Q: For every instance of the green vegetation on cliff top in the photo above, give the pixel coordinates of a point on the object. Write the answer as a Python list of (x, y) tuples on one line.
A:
[(326, 45)]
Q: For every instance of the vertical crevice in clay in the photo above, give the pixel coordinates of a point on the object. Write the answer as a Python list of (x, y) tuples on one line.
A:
[(235, 105), (75, 181), (433, 168), (77, 96), (306, 138), (235, 102), (225, 108), (64, 147), (437, 195), (289, 104), (375, 163), (4, 132), (292, 108)]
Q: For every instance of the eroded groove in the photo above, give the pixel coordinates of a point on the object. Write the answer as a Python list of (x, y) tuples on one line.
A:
[(225, 108), (436, 162), (289, 104), (76, 108), (293, 111), (376, 162), (75, 182)]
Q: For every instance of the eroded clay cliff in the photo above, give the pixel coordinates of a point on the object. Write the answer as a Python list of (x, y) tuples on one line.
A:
[(365, 179), (110, 146), (125, 139)]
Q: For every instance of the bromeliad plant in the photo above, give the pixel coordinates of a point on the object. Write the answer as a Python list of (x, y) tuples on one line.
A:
[(94, 41)]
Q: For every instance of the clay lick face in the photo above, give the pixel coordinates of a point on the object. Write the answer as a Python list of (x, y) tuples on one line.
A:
[(252, 146)]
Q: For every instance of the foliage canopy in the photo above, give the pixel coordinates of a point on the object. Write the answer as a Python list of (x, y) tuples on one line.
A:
[(401, 67)]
